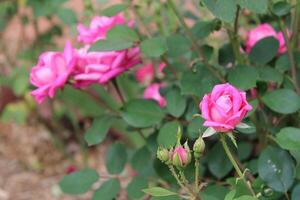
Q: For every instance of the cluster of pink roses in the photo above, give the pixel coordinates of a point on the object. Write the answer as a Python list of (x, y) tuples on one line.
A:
[(262, 31), (79, 66)]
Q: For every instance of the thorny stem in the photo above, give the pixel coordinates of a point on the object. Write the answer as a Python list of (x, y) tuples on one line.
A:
[(290, 55), (172, 169), (186, 182), (234, 163), (194, 42), (233, 36)]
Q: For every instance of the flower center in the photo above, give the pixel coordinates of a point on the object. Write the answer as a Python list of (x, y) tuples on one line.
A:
[(224, 102)]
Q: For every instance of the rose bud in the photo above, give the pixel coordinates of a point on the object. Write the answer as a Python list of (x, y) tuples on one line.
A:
[(162, 154), (198, 147), (181, 156), (224, 108)]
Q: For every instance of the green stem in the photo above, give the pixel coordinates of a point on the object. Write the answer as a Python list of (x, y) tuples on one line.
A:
[(234, 163), (118, 90), (295, 24), (186, 182), (194, 41), (290, 55), (197, 168), (180, 183)]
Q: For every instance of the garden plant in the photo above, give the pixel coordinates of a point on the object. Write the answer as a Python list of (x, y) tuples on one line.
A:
[(199, 99)]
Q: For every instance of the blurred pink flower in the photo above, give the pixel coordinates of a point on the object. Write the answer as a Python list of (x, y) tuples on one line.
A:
[(263, 31), (282, 47), (224, 107), (52, 72), (258, 33), (146, 73), (101, 67), (98, 28), (152, 92)]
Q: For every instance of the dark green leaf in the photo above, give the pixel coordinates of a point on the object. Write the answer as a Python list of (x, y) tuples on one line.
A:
[(258, 53), (167, 134), (110, 45), (97, 132), (176, 103), (202, 29), (158, 192), (281, 8), (195, 128), (268, 74), (108, 190), (289, 138), (296, 192), (142, 113), (178, 45), (116, 158), (134, 188), (283, 101), (79, 182), (122, 34), (141, 159), (218, 164), (276, 168), (67, 16), (243, 77), (154, 47), (224, 10), (114, 10), (258, 6)]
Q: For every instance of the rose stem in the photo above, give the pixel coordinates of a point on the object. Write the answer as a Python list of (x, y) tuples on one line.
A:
[(234, 163)]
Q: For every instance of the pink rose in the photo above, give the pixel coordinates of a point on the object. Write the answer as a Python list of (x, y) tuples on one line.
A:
[(98, 28), (101, 67), (145, 74), (224, 107), (52, 72), (282, 47), (152, 92), (258, 33)]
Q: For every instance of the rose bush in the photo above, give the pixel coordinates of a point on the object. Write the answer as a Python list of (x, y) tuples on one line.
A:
[(146, 76)]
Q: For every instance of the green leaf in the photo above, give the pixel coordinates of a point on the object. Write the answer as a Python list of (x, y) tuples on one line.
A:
[(244, 150), (296, 192), (196, 128), (110, 45), (79, 182), (158, 192), (97, 132), (281, 8), (276, 168), (114, 10), (226, 55), (243, 77), (224, 10), (134, 188), (141, 159), (258, 6), (218, 164), (178, 45), (116, 158), (67, 16), (142, 113), (283, 101), (122, 34), (258, 53), (202, 29), (108, 190), (197, 81), (176, 103), (167, 134), (246, 197), (154, 47), (268, 74), (289, 138)]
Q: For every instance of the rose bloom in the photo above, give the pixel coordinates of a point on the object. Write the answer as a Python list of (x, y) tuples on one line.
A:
[(146, 73), (98, 28), (258, 33), (101, 67), (152, 92), (224, 107), (52, 72)]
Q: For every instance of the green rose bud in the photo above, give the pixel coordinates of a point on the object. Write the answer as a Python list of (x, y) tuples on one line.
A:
[(162, 154), (198, 147)]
